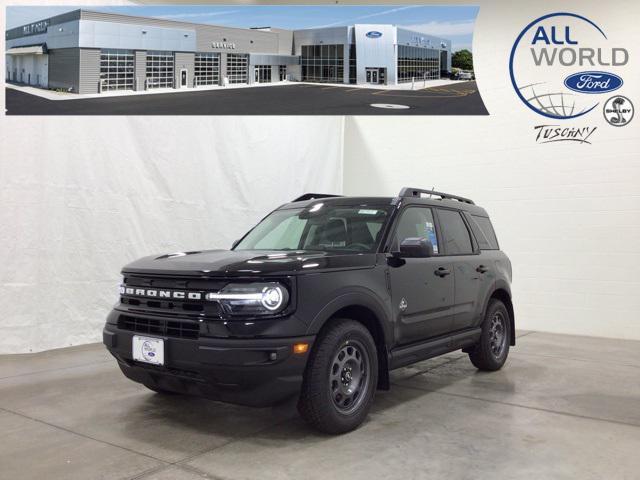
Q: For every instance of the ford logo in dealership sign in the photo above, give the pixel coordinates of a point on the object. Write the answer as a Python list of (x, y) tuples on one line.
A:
[(593, 82), (374, 34)]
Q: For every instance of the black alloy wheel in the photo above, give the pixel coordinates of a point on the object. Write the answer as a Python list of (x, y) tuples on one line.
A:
[(492, 349), (341, 377)]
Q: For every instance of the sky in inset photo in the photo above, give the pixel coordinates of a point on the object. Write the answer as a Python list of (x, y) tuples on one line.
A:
[(452, 22)]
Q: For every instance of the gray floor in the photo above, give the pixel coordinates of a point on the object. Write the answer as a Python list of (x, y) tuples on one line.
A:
[(563, 407)]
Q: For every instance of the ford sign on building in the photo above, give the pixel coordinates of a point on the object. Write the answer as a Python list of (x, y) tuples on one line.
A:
[(89, 52)]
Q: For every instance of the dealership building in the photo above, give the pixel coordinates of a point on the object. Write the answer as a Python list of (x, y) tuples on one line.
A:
[(91, 52)]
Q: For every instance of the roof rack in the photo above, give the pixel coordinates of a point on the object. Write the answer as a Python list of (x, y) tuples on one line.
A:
[(312, 196), (417, 192)]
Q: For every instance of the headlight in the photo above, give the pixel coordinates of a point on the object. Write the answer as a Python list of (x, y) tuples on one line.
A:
[(252, 298)]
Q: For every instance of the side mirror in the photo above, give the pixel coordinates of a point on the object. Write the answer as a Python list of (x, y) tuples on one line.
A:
[(235, 244), (416, 247)]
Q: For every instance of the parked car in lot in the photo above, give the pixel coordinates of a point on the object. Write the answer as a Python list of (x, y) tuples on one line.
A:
[(465, 75), (321, 300)]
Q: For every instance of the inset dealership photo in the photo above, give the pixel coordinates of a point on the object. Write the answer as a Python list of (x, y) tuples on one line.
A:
[(252, 60)]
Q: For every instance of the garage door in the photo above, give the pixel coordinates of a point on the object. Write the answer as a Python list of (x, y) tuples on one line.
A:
[(116, 69), (160, 69)]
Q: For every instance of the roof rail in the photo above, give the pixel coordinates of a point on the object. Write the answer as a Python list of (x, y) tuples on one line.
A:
[(311, 196), (417, 192)]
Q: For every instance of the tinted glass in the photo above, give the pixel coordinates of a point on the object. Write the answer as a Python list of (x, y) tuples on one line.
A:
[(483, 230), (416, 222), (322, 63), (328, 228), (454, 232)]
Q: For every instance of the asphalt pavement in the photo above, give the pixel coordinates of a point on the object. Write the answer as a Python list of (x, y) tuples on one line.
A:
[(296, 99)]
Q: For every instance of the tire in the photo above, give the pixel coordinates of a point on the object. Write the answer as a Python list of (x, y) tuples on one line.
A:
[(492, 349), (340, 379)]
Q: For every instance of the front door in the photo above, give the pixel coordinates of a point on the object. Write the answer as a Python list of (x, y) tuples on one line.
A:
[(372, 75), (422, 289), (183, 77)]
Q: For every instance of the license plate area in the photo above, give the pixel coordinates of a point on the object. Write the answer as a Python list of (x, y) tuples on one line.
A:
[(148, 350)]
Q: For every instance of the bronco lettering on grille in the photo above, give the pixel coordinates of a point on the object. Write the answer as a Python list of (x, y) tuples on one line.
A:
[(154, 292)]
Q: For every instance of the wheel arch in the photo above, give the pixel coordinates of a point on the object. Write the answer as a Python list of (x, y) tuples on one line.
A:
[(370, 313), (502, 292)]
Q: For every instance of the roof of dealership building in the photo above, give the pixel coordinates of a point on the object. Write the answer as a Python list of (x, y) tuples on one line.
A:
[(40, 26)]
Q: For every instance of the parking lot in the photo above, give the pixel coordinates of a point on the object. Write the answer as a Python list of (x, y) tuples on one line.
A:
[(297, 99)]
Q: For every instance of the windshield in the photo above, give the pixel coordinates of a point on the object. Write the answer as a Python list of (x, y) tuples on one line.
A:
[(319, 227)]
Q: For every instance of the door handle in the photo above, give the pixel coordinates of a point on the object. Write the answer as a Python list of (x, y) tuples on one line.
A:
[(482, 269), (442, 272)]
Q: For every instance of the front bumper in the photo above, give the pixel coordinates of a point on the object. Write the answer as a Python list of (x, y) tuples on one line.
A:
[(256, 372)]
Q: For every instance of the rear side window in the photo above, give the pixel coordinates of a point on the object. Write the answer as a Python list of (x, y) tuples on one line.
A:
[(484, 233), (455, 233)]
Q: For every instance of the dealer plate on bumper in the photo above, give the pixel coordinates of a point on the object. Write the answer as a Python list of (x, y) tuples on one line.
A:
[(148, 350)]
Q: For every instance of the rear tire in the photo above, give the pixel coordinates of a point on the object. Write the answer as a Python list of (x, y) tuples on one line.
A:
[(492, 349), (340, 379)]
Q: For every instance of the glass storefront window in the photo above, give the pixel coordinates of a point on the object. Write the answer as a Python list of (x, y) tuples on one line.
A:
[(263, 73), (352, 64), (323, 63), (418, 63)]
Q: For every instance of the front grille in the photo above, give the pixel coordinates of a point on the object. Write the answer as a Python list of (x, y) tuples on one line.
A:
[(185, 307), (212, 308), (162, 327)]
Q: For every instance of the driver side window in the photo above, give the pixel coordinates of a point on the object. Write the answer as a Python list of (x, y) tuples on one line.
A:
[(416, 222)]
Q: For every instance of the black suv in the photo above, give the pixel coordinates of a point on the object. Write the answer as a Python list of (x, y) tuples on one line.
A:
[(321, 299)]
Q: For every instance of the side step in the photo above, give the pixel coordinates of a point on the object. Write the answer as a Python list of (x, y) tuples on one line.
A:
[(416, 352)]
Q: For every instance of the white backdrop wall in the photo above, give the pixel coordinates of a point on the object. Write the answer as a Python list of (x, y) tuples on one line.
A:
[(81, 197), (568, 215)]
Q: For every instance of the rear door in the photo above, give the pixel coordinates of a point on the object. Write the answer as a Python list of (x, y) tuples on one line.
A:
[(422, 289), (471, 279)]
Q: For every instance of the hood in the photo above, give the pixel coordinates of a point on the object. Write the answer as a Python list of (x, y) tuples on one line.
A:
[(248, 262)]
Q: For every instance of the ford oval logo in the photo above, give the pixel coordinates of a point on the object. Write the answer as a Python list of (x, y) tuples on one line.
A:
[(593, 82), (374, 34)]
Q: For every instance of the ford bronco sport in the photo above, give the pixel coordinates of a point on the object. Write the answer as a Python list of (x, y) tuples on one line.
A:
[(321, 299)]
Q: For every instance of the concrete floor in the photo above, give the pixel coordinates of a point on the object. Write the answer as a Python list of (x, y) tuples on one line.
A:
[(563, 407)]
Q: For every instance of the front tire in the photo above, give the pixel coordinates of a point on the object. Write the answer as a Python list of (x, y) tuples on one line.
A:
[(492, 350), (340, 379)]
